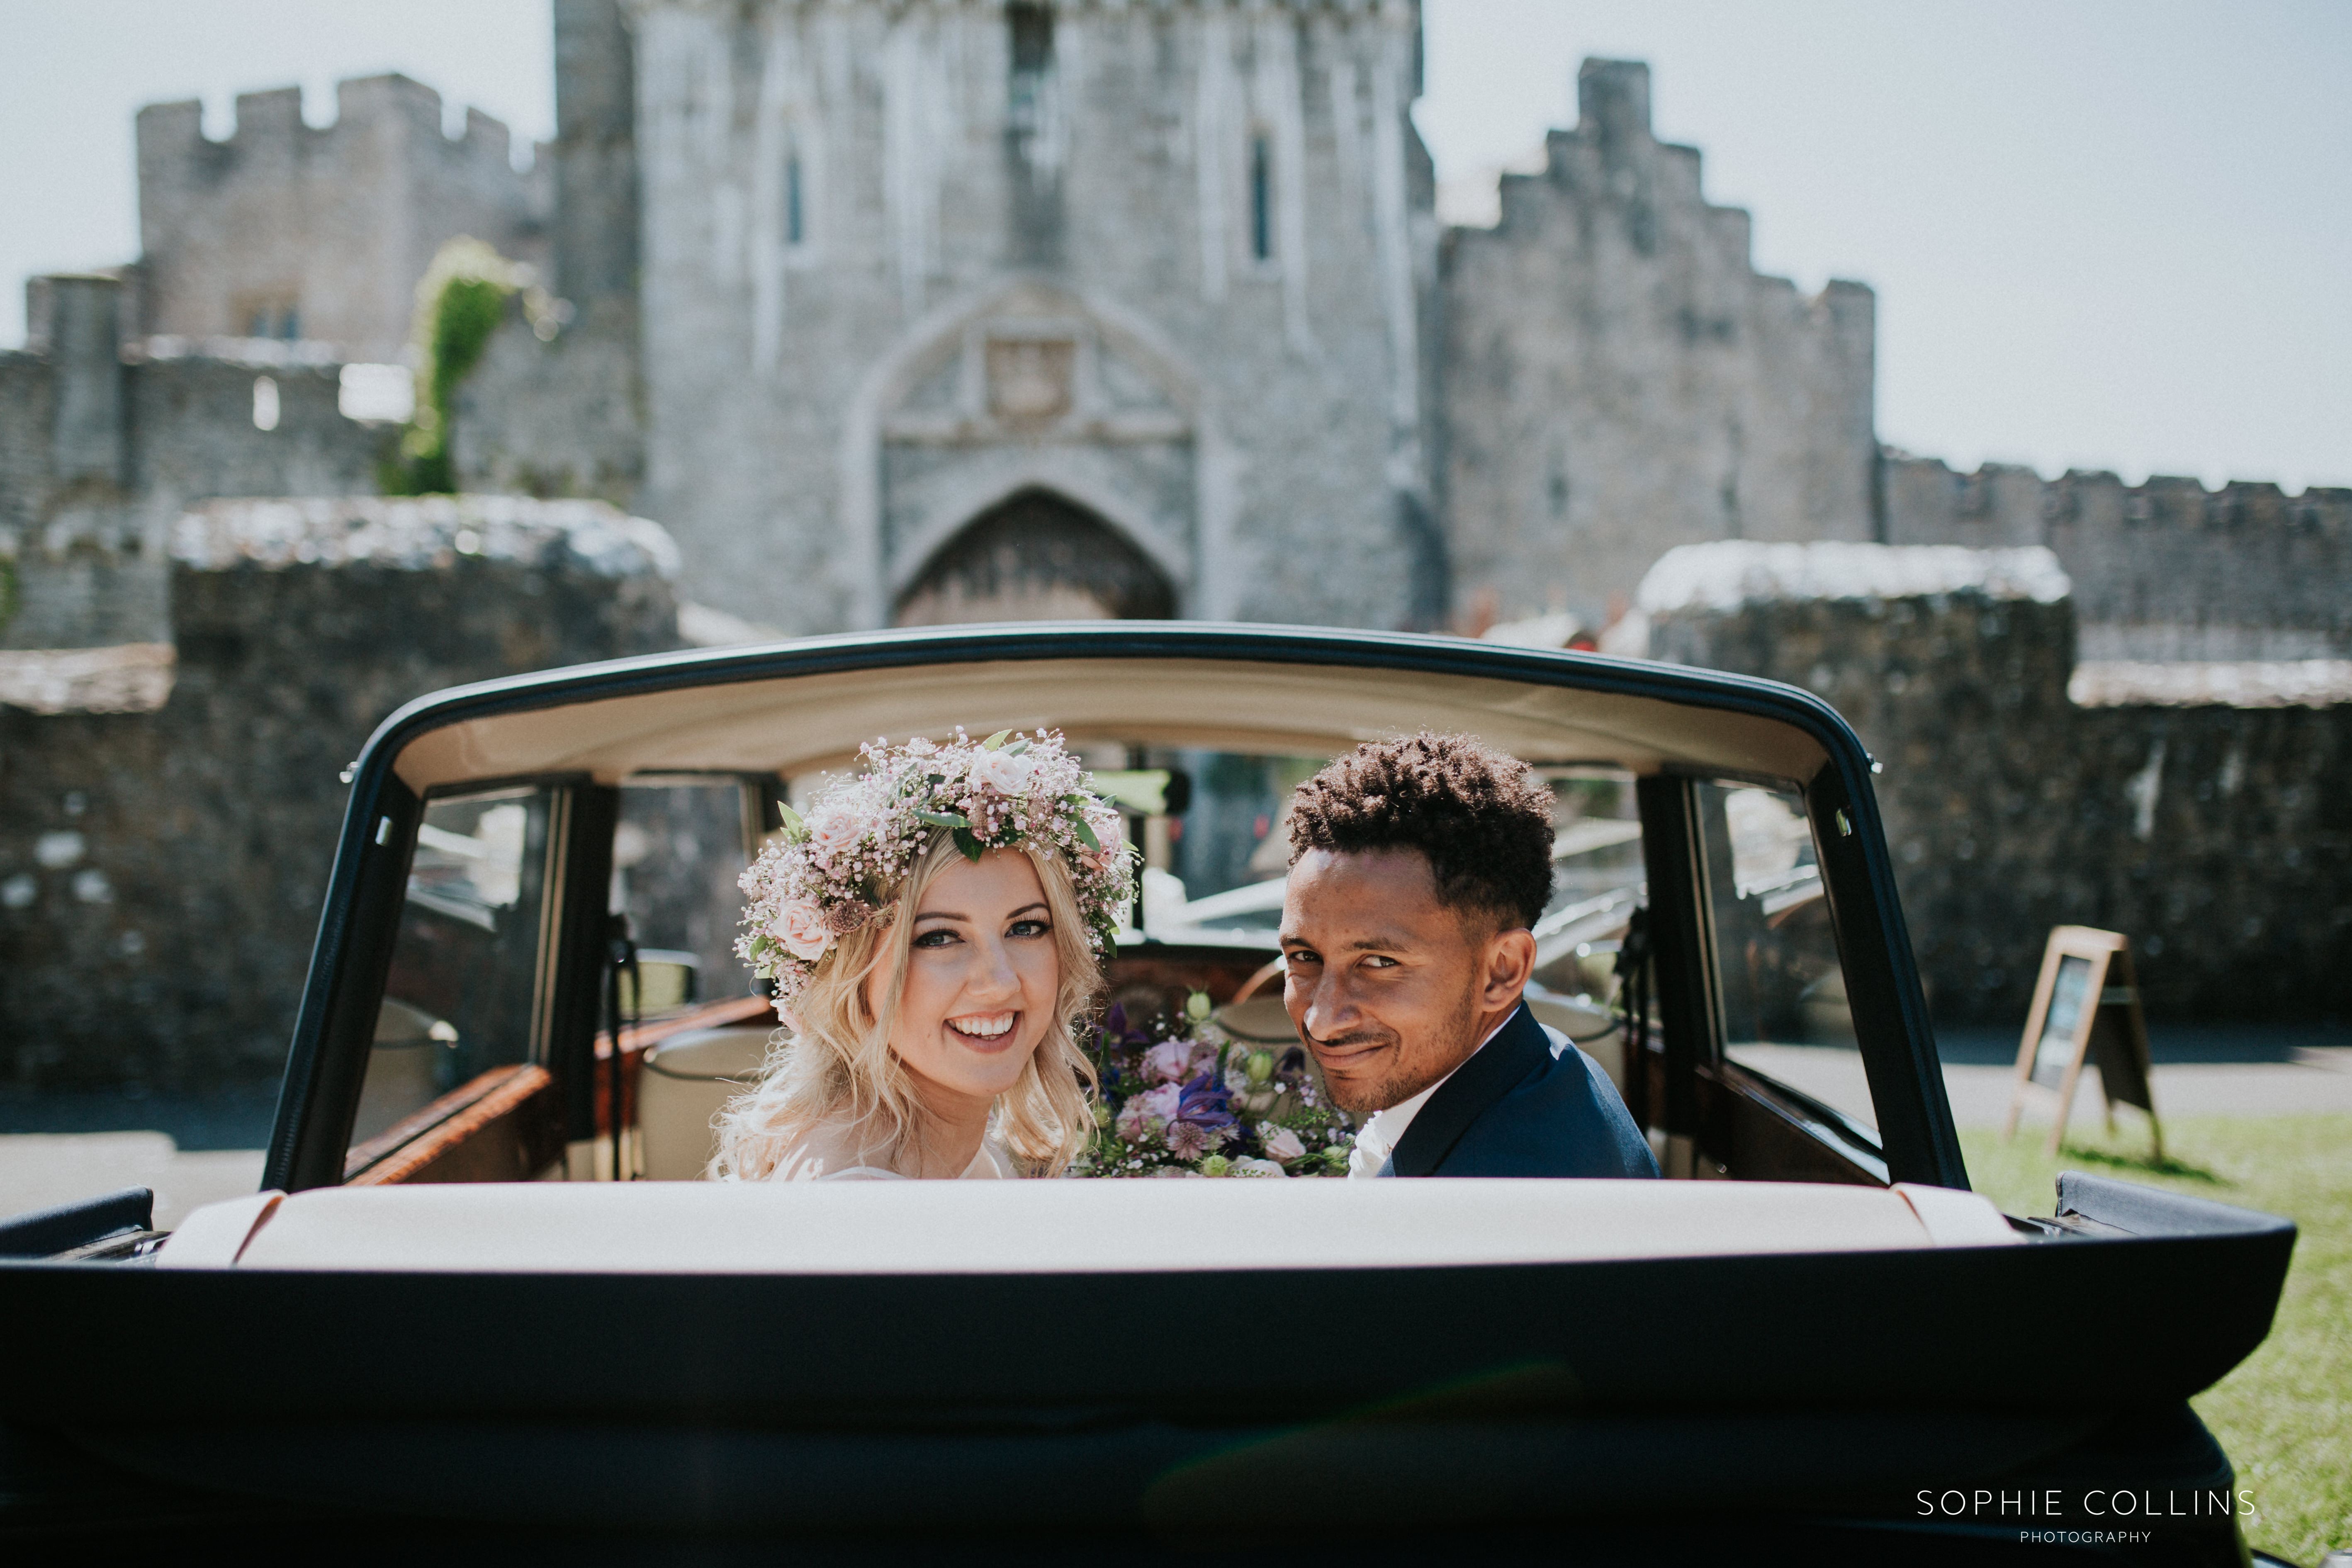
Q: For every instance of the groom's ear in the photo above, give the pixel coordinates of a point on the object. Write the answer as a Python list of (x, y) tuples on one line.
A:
[(1507, 965)]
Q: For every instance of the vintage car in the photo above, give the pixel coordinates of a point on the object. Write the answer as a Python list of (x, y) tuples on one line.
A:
[(482, 1284)]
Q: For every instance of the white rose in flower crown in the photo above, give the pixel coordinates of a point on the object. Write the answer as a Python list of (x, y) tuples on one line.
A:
[(1007, 775), (801, 927), (834, 829), (1281, 1142)]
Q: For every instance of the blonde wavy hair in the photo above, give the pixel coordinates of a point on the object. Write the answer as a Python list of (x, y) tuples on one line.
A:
[(840, 1065)]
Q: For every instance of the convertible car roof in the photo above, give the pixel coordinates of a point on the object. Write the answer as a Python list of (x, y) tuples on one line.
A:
[(793, 707)]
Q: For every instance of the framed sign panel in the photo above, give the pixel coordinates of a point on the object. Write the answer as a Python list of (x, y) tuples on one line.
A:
[(2086, 1008)]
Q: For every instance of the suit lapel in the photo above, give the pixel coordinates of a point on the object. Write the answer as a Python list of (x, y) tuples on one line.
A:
[(1517, 1049)]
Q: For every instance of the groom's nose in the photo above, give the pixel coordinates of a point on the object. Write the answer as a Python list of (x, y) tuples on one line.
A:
[(1325, 1010)]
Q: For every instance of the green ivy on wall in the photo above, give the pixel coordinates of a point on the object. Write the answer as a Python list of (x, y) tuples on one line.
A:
[(460, 301)]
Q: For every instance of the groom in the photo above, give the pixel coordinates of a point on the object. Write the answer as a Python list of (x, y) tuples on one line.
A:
[(1416, 867)]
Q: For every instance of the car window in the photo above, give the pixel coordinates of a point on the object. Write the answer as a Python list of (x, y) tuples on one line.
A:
[(1780, 986), (678, 850), (1596, 881), (464, 965)]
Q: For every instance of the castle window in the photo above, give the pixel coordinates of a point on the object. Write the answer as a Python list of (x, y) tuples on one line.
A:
[(265, 403), (795, 229), (1032, 28), (1261, 195)]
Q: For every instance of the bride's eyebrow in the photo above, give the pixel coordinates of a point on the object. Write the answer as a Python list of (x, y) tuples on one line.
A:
[(1025, 908), (942, 915)]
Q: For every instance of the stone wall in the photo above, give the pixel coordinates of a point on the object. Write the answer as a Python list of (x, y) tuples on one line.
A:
[(2162, 570), (98, 456), (161, 873), (1618, 379), (291, 232), (2217, 837)]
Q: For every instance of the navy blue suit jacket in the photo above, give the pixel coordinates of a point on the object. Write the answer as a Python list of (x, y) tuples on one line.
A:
[(1516, 1109)]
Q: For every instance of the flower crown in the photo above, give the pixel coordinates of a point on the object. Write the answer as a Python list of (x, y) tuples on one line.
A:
[(838, 870)]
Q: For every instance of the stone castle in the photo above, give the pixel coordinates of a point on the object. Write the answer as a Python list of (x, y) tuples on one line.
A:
[(962, 310), (991, 309)]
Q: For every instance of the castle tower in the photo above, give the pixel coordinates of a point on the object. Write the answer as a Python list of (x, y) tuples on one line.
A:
[(1619, 380), (283, 231), (969, 309)]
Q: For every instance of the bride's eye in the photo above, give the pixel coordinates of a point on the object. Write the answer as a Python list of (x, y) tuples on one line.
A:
[(1030, 927), (938, 936)]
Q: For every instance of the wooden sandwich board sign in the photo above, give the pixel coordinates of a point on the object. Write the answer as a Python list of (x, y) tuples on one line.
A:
[(2086, 1001)]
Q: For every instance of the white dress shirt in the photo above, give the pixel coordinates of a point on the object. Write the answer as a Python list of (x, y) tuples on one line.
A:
[(1377, 1141)]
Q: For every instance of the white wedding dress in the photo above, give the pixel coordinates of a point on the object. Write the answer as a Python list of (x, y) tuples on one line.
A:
[(834, 1152)]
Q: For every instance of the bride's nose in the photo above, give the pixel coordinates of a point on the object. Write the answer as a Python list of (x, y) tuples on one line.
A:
[(992, 973)]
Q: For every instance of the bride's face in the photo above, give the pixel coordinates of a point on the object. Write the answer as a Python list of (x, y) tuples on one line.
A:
[(981, 974)]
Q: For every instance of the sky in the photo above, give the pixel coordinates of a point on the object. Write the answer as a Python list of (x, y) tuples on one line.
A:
[(2103, 233)]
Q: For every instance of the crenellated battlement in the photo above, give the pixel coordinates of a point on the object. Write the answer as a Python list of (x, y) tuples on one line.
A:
[(269, 126), (2165, 569), (1619, 379), (286, 230)]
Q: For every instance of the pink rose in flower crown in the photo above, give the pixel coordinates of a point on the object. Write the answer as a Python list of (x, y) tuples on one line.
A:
[(833, 830), (1110, 833), (1007, 775), (801, 926)]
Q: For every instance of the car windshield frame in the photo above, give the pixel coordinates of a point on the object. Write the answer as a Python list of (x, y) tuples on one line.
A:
[(345, 982)]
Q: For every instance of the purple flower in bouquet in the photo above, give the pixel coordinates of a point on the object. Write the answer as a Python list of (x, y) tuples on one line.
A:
[(1204, 1100)]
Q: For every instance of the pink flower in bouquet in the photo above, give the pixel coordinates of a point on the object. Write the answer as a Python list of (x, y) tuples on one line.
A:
[(1153, 1108), (1187, 1140), (1281, 1144), (802, 926), (1169, 1061)]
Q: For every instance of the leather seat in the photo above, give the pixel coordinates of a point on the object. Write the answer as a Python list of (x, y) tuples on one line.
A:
[(687, 1080)]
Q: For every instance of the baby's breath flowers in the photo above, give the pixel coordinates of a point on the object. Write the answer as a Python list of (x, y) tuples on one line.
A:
[(837, 869)]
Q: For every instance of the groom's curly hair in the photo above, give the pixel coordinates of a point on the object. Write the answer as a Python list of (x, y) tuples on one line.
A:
[(1481, 817)]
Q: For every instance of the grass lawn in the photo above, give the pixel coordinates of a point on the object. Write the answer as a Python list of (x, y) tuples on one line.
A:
[(2284, 1415)]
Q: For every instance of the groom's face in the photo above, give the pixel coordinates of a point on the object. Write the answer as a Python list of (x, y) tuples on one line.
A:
[(1388, 986)]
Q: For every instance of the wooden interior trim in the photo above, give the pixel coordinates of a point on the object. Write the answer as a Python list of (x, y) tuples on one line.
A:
[(417, 1123), (495, 1097)]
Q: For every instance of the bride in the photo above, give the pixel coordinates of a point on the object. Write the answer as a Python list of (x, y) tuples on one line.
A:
[(933, 927)]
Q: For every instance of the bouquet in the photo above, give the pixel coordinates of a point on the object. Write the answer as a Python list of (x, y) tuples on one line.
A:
[(1180, 1098)]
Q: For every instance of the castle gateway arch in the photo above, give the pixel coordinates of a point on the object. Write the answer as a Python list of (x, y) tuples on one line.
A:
[(1037, 555)]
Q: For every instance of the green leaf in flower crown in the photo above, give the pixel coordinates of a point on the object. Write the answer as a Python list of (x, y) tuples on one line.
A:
[(1015, 749), (943, 819), (972, 846), (1085, 833), (795, 829), (994, 741)]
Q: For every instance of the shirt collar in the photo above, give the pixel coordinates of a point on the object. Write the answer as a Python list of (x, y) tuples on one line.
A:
[(1378, 1139)]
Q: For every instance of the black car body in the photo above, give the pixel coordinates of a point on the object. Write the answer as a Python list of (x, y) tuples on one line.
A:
[(1828, 1341)]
